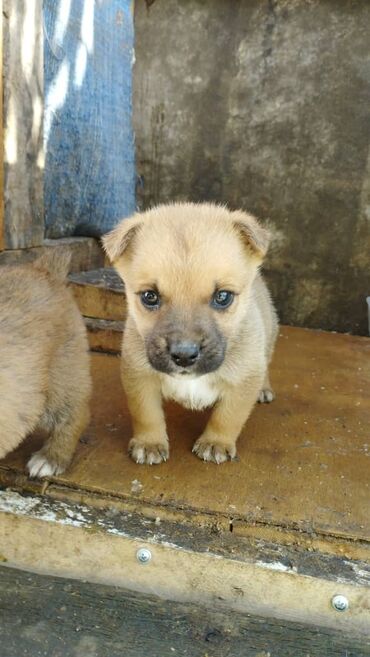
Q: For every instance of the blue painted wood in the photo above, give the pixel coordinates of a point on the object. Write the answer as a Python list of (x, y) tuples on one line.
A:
[(89, 180)]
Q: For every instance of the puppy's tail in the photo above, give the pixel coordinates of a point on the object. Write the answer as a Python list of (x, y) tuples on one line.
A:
[(56, 262)]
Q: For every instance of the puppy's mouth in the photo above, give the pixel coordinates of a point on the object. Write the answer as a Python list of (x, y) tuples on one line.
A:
[(184, 374)]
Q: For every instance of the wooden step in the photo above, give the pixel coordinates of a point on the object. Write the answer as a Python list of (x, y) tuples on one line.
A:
[(275, 534), (73, 618), (104, 335), (100, 295)]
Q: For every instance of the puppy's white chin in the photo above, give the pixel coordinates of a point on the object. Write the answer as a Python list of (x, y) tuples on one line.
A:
[(192, 391)]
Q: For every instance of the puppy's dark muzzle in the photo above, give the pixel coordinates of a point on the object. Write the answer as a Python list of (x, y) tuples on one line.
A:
[(176, 346), (184, 353)]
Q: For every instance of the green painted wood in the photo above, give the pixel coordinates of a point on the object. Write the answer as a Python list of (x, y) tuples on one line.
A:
[(65, 618)]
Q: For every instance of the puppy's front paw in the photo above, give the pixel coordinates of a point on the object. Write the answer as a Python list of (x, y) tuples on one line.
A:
[(266, 396), (147, 451), (40, 466), (213, 448)]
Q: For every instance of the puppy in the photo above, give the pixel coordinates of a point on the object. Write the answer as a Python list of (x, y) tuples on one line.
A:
[(201, 326), (44, 363)]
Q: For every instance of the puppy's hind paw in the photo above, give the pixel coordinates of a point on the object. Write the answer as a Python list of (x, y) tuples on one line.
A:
[(148, 453), (40, 466), (266, 396)]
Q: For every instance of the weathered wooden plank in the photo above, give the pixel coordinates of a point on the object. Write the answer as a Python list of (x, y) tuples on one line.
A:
[(188, 564), (60, 617), (89, 167), (23, 121), (85, 251), (104, 335), (99, 294), (1, 133), (52, 502)]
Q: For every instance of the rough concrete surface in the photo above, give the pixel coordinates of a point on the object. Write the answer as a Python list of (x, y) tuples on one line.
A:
[(266, 106)]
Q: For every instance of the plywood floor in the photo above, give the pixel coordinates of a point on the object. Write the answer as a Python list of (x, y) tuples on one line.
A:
[(304, 460)]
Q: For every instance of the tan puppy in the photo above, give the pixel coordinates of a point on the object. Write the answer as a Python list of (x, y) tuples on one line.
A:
[(44, 363), (201, 326)]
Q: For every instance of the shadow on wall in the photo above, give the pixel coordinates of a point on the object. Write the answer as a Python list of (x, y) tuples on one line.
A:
[(88, 138)]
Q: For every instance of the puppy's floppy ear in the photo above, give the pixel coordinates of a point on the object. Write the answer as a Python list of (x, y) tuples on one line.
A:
[(118, 240), (254, 236)]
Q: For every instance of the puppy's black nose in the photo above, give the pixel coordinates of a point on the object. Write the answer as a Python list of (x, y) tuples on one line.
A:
[(184, 353)]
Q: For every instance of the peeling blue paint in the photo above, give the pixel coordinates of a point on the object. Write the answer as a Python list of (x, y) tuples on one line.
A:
[(89, 181)]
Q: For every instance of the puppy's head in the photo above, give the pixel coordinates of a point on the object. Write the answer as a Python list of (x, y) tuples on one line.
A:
[(188, 271)]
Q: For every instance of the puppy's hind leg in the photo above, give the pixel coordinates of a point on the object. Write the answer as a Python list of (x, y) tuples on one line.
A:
[(21, 407), (266, 394), (67, 409), (66, 427)]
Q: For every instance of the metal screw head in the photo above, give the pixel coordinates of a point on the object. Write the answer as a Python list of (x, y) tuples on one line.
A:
[(143, 555), (339, 602)]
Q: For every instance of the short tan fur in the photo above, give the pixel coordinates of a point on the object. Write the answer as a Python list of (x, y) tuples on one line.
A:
[(44, 363), (186, 254)]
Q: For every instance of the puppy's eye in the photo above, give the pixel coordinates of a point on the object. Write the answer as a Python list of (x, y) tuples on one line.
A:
[(222, 299), (150, 299)]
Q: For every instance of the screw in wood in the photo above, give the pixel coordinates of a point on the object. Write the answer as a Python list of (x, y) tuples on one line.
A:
[(143, 555), (340, 602)]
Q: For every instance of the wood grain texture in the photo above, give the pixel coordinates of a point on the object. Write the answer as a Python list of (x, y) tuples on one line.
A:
[(99, 294), (59, 617), (104, 335), (112, 517), (23, 121), (85, 253), (89, 168), (65, 539)]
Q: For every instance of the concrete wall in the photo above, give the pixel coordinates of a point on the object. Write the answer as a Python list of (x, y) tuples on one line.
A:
[(265, 105)]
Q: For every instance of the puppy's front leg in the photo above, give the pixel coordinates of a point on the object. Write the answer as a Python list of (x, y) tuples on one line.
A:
[(218, 441), (149, 443)]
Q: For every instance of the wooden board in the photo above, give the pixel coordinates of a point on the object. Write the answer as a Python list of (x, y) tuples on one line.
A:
[(1, 133), (303, 460), (97, 540), (60, 617), (99, 294), (89, 167), (104, 335), (86, 253), (23, 123)]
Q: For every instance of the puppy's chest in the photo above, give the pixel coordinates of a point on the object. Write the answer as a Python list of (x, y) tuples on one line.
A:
[(192, 393)]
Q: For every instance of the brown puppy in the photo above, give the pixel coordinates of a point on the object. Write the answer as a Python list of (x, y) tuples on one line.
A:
[(201, 326), (44, 363)]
